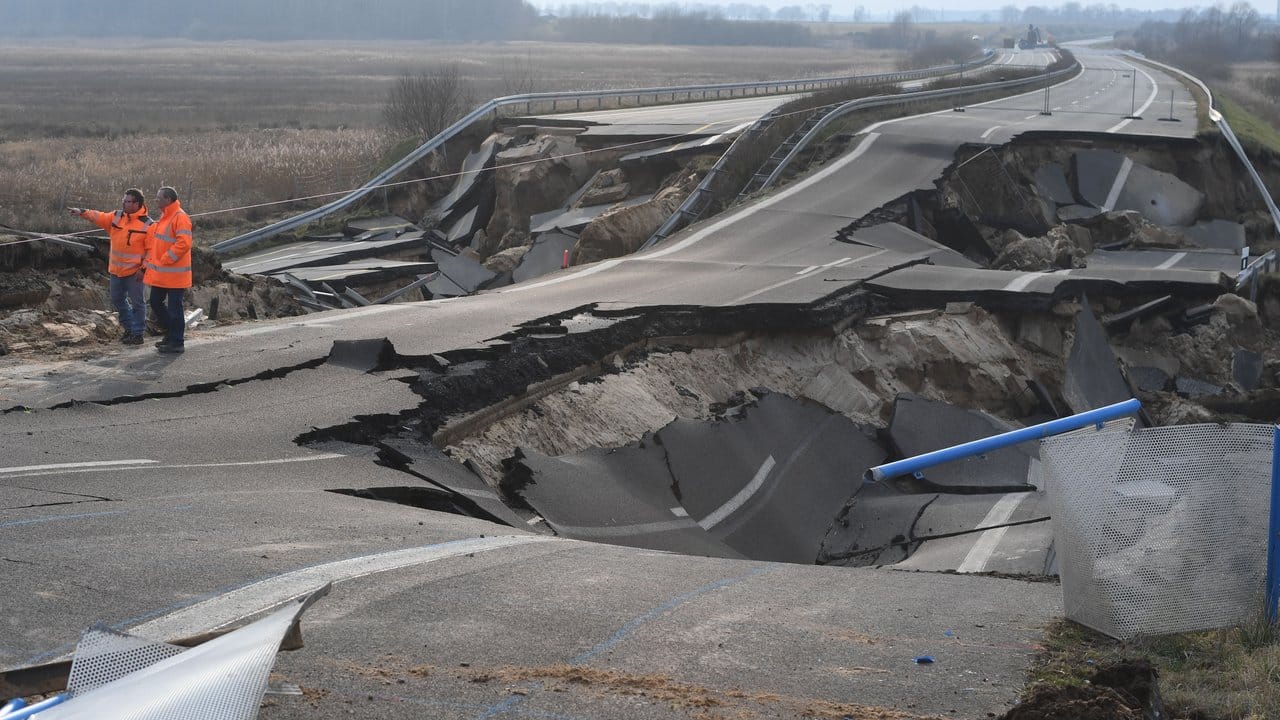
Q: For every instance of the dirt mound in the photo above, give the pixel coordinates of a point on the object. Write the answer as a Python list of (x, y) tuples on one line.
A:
[(54, 302), (1122, 691)]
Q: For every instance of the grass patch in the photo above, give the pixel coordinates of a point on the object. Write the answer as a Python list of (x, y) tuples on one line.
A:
[(1228, 674), (1254, 132)]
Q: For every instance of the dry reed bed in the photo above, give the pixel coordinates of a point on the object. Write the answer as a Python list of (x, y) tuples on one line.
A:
[(243, 123), (212, 171)]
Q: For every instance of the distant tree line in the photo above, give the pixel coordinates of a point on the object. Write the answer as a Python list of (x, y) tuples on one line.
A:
[(817, 12), (271, 19), (1074, 13), (1207, 41), (673, 26)]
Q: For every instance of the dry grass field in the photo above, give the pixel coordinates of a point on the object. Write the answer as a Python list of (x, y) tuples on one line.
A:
[(247, 123)]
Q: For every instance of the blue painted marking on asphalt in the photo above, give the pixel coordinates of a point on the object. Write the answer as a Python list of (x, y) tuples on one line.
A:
[(201, 598), (630, 627), (622, 633), (80, 516), (60, 518)]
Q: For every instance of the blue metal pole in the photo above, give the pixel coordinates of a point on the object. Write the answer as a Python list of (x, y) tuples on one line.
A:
[(41, 706), (1273, 531), (913, 465), (12, 706)]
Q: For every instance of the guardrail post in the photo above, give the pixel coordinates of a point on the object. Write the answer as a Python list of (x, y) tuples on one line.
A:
[(1273, 531)]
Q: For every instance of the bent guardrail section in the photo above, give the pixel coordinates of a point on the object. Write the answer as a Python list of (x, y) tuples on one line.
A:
[(692, 207), (529, 100), (880, 101)]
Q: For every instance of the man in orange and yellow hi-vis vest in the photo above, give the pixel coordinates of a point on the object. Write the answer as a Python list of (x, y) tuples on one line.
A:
[(127, 228), (168, 267)]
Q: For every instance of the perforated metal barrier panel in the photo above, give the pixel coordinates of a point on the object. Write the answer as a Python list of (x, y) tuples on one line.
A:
[(1161, 530)]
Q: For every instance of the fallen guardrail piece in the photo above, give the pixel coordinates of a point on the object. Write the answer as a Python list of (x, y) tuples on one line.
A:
[(116, 675), (913, 465)]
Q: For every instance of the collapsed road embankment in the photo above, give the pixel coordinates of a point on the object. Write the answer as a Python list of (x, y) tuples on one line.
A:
[(1072, 275)]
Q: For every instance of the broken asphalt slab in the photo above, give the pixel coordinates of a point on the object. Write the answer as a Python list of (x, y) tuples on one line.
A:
[(920, 426), (1092, 379), (459, 275), (768, 480), (620, 496), (1111, 181), (546, 255), (324, 252), (427, 462), (902, 240)]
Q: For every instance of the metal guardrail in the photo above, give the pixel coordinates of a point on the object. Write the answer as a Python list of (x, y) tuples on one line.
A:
[(530, 99), (1248, 276), (883, 100), (694, 205), (690, 210)]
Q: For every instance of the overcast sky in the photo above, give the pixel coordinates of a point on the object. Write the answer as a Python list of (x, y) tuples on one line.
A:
[(882, 7), (845, 7)]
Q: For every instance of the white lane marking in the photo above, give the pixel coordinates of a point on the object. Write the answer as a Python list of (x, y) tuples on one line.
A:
[(835, 263), (991, 130), (737, 501), (327, 321), (980, 553), (808, 270), (112, 464), (679, 511), (1155, 90), (728, 220), (1029, 117), (1118, 185), (615, 531), (1177, 258), (238, 604), (76, 468), (794, 189), (1019, 284), (788, 281)]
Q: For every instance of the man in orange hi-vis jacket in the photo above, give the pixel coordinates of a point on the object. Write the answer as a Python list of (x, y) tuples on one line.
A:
[(127, 228), (168, 267)]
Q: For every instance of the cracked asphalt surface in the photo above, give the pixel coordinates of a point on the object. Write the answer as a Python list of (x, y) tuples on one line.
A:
[(197, 506)]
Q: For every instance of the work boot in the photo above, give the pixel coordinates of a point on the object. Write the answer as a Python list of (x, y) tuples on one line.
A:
[(170, 349), (162, 343), (132, 339)]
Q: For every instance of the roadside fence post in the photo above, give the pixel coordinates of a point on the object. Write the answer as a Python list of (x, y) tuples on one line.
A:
[(1133, 96), (1046, 110), (1273, 531)]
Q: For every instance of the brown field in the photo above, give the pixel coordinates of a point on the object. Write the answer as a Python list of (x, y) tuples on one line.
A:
[(248, 123)]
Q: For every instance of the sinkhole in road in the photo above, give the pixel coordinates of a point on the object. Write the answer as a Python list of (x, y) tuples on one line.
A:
[(742, 433), (745, 431), (653, 432)]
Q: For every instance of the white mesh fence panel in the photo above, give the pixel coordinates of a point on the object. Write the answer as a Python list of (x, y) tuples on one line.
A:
[(1161, 530), (222, 679), (104, 656)]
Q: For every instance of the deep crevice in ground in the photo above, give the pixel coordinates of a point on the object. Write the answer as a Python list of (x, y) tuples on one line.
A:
[(586, 379)]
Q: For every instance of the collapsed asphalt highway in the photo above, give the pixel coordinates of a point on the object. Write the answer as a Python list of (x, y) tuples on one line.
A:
[(602, 492)]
